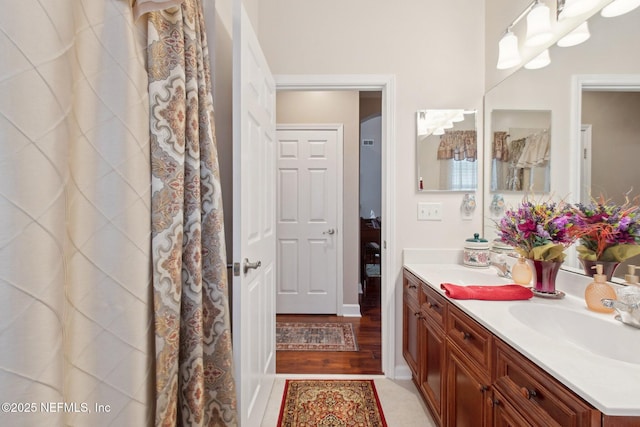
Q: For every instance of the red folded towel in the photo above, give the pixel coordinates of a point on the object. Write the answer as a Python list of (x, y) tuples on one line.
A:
[(493, 293)]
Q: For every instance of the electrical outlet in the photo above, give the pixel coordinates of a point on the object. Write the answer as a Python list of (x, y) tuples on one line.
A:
[(429, 211)]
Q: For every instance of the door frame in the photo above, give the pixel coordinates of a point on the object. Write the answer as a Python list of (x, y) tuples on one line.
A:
[(339, 129), (389, 253)]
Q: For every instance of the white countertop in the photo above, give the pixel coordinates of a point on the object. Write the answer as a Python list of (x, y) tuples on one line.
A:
[(610, 383)]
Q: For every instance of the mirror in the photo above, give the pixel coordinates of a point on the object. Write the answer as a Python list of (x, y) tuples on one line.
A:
[(607, 62), (520, 150), (447, 150)]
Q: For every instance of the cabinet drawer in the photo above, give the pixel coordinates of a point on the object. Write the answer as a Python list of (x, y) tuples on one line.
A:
[(536, 393), (411, 285), (433, 305), (474, 340)]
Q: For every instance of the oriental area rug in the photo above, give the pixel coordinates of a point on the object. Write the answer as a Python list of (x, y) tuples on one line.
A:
[(300, 336), (330, 403)]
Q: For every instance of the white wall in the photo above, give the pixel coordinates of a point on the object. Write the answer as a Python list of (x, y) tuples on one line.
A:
[(436, 52)]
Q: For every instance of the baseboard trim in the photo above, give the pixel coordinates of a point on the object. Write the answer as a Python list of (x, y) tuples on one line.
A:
[(402, 372), (351, 310)]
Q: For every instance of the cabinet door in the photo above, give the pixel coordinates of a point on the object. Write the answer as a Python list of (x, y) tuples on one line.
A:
[(466, 392), (431, 378), (410, 333)]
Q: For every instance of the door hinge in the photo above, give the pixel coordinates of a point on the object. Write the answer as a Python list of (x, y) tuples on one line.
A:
[(236, 268)]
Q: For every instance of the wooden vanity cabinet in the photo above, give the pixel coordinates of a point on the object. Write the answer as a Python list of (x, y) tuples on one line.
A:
[(431, 373), (468, 370), (411, 320), (470, 377), (535, 393)]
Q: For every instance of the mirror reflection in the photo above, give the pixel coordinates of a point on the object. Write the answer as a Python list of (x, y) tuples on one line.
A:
[(447, 150), (520, 150), (592, 91)]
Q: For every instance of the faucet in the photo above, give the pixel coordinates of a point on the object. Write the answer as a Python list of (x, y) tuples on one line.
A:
[(503, 269), (628, 312)]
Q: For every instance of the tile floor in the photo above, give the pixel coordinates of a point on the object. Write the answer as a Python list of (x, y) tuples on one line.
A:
[(401, 404)]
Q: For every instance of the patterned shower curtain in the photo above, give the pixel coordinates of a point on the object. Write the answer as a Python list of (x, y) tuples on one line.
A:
[(194, 369)]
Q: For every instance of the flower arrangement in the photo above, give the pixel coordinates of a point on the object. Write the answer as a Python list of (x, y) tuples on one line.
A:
[(538, 231), (607, 232)]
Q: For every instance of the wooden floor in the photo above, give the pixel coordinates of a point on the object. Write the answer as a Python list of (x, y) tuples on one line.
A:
[(368, 335)]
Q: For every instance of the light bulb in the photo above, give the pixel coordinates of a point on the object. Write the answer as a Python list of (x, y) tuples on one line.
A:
[(577, 7), (539, 61), (508, 54), (538, 25), (579, 35), (619, 7)]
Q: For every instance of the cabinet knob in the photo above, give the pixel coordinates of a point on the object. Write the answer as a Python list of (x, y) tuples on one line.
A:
[(483, 388), (526, 393), (492, 402), (413, 286), (432, 305), (465, 335)]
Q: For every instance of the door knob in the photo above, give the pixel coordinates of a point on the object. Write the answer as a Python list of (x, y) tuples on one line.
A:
[(329, 231), (250, 265)]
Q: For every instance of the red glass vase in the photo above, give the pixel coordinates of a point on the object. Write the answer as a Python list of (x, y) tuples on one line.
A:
[(608, 267), (545, 273)]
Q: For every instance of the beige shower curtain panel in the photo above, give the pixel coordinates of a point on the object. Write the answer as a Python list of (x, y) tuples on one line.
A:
[(77, 332)]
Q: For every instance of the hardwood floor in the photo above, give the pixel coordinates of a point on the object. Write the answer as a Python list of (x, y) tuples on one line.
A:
[(368, 334)]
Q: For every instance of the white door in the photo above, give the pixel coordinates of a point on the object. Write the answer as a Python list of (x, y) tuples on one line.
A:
[(254, 230), (308, 182)]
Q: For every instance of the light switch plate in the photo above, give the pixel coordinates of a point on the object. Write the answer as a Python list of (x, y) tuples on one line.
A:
[(429, 211)]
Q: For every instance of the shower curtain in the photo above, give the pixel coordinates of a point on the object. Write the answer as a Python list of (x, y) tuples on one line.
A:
[(194, 371), (75, 301), (78, 310)]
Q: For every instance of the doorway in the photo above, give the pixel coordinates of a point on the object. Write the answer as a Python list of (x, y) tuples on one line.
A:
[(351, 308)]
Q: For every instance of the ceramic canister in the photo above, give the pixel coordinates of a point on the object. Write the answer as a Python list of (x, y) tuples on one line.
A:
[(476, 252)]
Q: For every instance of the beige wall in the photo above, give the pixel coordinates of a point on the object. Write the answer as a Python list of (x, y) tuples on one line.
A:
[(435, 50), (334, 107), (607, 52), (615, 140), (219, 31)]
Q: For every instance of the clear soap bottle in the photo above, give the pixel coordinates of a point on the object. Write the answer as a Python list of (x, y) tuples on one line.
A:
[(598, 290)]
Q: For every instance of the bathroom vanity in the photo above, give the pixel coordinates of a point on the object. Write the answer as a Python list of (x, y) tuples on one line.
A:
[(519, 363)]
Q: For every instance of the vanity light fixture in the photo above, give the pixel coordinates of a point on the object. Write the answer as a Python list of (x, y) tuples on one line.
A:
[(540, 61), (579, 35), (538, 25), (619, 7)]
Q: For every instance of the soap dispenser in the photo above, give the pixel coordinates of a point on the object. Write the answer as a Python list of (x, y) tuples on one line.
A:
[(598, 290), (521, 273)]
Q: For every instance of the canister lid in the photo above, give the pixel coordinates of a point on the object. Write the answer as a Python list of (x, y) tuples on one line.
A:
[(477, 239), (476, 242)]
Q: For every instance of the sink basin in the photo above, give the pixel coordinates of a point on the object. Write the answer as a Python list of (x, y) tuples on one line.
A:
[(598, 334)]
